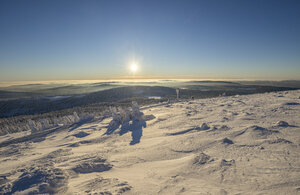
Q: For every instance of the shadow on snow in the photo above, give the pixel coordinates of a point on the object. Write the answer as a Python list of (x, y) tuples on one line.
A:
[(135, 126)]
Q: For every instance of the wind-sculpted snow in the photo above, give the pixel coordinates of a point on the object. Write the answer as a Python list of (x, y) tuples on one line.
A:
[(245, 144), (92, 165), (38, 180)]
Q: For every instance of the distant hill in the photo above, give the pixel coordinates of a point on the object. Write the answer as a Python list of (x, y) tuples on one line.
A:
[(122, 95), (213, 82), (46, 104), (284, 83)]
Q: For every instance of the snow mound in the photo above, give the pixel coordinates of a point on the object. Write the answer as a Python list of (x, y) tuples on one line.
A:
[(256, 132), (201, 159), (279, 140), (102, 185), (282, 124), (220, 128), (203, 127), (225, 163), (92, 165)]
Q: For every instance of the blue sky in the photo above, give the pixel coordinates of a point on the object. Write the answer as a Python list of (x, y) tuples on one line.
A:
[(88, 39)]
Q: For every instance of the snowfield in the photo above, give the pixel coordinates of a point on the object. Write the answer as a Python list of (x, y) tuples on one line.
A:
[(227, 145)]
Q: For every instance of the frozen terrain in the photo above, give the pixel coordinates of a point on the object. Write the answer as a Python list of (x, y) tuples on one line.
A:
[(246, 144)]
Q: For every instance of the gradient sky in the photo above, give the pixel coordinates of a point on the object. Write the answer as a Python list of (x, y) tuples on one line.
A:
[(88, 39)]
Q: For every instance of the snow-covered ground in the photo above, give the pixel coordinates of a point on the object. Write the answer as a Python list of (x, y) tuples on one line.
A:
[(225, 145)]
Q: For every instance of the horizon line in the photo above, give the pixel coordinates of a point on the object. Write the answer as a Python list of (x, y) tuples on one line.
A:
[(78, 81)]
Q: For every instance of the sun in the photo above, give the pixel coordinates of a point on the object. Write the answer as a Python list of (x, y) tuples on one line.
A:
[(133, 67)]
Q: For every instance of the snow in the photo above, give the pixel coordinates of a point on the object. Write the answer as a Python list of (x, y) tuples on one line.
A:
[(56, 98), (154, 97), (227, 145)]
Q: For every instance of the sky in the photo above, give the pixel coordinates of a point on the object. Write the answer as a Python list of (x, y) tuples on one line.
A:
[(197, 39)]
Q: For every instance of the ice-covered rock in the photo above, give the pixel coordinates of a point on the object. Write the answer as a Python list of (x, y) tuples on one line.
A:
[(204, 126), (227, 141)]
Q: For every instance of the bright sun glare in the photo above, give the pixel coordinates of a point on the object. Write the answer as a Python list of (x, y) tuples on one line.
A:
[(133, 67)]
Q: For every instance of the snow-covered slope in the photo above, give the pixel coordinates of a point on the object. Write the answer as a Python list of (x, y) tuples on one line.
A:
[(227, 145)]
